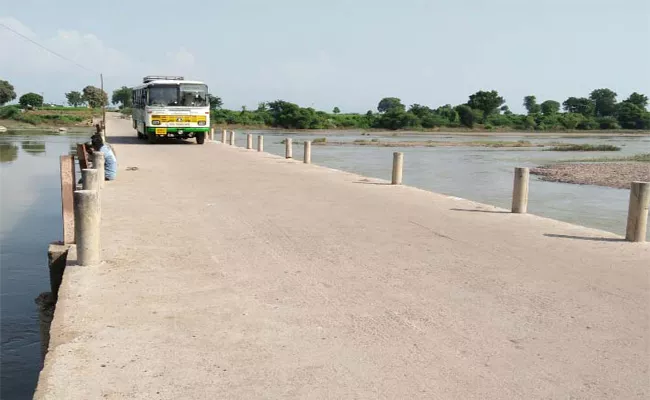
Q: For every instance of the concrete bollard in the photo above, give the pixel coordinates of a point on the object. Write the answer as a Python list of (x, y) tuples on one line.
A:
[(307, 153), (260, 143), (637, 213), (520, 191), (98, 164), (398, 165), (232, 138), (89, 179), (288, 148), (223, 136), (249, 141), (87, 218), (212, 134)]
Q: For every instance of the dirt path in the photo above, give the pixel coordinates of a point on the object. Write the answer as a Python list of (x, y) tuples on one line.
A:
[(233, 274)]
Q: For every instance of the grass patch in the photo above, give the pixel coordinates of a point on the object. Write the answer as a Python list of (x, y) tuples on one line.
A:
[(500, 143), (319, 140), (363, 142), (584, 147)]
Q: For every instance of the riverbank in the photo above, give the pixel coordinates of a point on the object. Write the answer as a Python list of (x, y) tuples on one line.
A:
[(610, 174), (15, 118)]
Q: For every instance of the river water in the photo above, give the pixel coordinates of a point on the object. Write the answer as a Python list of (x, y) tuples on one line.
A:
[(30, 207), (30, 218)]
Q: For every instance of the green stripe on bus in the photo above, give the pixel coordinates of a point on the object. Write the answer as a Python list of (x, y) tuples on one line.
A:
[(151, 129)]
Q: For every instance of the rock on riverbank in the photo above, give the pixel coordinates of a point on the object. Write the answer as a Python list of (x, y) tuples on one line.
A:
[(611, 174)]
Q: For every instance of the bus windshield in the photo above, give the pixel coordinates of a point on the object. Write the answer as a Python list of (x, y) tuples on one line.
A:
[(193, 95), (163, 95)]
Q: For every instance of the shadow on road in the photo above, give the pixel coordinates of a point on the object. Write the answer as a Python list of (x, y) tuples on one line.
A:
[(135, 140), (590, 238), (481, 211)]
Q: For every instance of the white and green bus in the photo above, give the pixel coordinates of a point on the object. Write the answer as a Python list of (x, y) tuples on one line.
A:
[(170, 106)]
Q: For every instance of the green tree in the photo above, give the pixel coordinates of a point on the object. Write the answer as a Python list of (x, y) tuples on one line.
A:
[(390, 104), (447, 112), (122, 96), (465, 115), (631, 116), (571, 120), (639, 100), (580, 105), (608, 123), (550, 107), (420, 111), (94, 96), (505, 110), (488, 102), (530, 103), (336, 110), (215, 102), (604, 102), (31, 100), (397, 118), (7, 92), (75, 99), (529, 122)]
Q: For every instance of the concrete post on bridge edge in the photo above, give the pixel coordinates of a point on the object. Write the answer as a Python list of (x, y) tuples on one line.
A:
[(307, 152), (211, 138), (87, 221), (98, 164), (224, 133), (398, 166), (288, 148), (637, 213), (520, 191), (249, 141), (260, 143), (231, 141)]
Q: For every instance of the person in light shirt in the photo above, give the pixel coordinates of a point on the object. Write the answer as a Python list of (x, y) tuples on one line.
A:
[(110, 161)]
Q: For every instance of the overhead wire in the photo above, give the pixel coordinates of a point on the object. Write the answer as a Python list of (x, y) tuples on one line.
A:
[(47, 49)]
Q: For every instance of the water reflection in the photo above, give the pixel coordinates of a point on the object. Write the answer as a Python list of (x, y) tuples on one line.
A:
[(8, 152), (33, 147)]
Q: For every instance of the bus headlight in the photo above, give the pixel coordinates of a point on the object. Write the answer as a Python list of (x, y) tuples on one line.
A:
[(155, 122), (201, 123)]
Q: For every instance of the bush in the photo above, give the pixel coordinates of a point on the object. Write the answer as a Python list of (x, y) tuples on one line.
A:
[(10, 112), (608, 123), (319, 140), (584, 147)]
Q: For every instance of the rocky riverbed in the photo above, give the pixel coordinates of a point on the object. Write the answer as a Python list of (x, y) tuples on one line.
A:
[(612, 174)]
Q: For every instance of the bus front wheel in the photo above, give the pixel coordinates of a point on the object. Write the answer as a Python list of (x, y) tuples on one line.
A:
[(200, 137)]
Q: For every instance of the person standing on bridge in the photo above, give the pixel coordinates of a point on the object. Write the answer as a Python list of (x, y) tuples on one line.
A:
[(110, 161)]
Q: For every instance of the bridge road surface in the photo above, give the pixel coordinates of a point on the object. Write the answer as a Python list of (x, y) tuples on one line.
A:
[(230, 274)]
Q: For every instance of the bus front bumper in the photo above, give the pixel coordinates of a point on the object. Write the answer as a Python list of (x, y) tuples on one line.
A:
[(177, 132)]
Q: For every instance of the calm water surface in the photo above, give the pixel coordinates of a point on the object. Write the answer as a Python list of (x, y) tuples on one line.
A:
[(30, 218)]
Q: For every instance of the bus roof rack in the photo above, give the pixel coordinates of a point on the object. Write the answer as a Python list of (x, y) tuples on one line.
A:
[(150, 78)]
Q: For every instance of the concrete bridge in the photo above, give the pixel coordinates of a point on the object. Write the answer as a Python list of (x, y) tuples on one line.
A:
[(233, 274)]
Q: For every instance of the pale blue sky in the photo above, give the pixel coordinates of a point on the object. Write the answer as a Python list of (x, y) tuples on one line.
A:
[(336, 53)]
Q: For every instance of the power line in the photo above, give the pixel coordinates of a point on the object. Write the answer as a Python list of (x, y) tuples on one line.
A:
[(46, 49)]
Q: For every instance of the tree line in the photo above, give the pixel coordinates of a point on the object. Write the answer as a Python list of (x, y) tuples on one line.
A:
[(91, 96), (484, 109)]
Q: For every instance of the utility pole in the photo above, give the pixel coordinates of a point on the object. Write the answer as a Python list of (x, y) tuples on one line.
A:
[(101, 77)]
